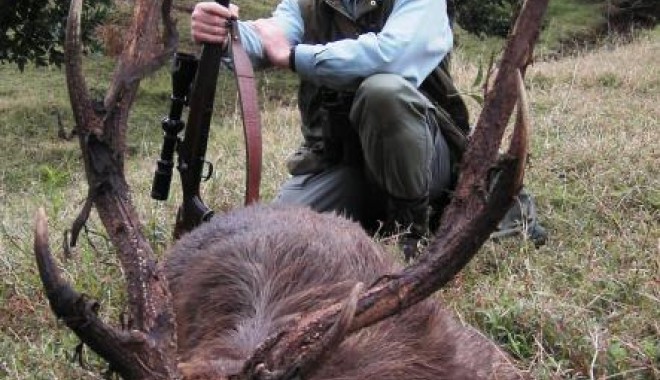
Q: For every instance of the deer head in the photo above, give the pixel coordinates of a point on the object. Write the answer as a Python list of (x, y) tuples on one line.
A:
[(148, 349)]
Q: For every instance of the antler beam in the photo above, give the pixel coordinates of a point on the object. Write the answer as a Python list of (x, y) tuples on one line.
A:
[(80, 314)]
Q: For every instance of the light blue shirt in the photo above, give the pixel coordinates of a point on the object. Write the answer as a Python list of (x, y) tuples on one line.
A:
[(415, 38)]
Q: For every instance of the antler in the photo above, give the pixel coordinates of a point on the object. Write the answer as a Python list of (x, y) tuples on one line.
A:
[(149, 349), (484, 193), (80, 315)]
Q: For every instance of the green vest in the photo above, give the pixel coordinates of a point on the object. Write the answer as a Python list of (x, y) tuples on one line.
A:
[(327, 21)]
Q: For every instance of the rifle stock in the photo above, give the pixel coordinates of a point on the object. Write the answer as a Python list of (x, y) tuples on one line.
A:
[(191, 149)]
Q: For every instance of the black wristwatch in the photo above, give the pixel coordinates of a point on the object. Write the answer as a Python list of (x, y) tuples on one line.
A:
[(292, 58)]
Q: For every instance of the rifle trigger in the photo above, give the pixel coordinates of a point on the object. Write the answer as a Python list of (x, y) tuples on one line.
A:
[(209, 171)]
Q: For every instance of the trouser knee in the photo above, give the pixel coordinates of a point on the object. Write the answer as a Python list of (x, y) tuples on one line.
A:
[(383, 98), (390, 116)]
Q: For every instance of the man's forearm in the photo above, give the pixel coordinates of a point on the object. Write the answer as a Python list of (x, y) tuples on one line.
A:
[(414, 40), (252, 44)]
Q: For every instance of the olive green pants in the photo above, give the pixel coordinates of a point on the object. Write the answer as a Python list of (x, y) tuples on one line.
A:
[(404, 155)]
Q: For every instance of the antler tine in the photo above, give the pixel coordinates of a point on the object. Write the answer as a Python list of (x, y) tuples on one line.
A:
[(460, 237), (475, 210), (305, 363), (80, 313), (75, 80), (477, 205), (143, 57)]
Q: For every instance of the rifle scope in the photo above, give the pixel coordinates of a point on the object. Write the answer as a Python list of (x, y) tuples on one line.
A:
[(184, 69)]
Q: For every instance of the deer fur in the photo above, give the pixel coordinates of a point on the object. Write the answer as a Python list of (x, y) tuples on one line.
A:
[(249, 273)]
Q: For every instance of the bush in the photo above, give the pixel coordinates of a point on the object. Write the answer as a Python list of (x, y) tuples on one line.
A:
[(623, 14), (33, 30), (484, 17)]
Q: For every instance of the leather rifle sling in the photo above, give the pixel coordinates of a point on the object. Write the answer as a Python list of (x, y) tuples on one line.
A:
[(249, 102)]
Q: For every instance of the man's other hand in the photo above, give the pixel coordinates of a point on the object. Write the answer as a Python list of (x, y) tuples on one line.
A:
[(275, 44)]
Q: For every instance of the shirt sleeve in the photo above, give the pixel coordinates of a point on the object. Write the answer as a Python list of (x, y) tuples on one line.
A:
[(287, 15), (414, 40)]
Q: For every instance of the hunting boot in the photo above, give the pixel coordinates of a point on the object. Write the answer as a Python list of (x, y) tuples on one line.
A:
[(522, 220), (307, 159), (410, 219)]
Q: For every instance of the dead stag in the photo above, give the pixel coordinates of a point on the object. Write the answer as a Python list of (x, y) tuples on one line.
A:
[(240, 316)]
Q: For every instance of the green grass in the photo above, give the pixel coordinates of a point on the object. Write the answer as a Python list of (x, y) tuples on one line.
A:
[(586, 305), (569, 20)]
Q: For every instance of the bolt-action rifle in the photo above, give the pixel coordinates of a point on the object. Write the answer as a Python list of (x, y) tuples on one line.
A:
[(191, 149), (194, 83)]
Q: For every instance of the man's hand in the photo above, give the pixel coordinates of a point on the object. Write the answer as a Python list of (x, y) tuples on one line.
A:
[(274, 42), (209, 22)]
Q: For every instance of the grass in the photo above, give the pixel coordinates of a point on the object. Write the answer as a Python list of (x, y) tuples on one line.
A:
[(569, 20), (585, 306)]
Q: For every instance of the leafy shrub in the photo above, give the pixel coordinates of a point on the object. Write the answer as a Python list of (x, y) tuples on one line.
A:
[(484, 17), (621, 14), (33, 30)]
